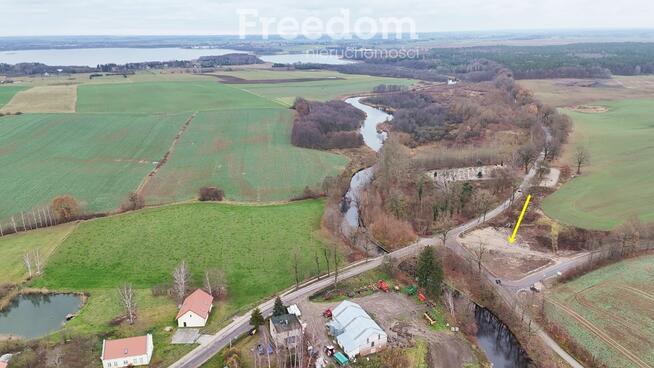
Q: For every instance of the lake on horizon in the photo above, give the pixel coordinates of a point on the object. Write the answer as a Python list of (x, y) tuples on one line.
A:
[(94, 56)]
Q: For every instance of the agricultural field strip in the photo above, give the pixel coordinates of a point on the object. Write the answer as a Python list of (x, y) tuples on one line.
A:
[(166, 155), (601, 334)]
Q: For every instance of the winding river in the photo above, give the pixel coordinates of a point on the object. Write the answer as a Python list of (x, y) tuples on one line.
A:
[(373, 139), (496, 340)]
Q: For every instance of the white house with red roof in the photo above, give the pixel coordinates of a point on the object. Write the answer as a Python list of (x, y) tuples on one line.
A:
[(132, 351), (195, 309)]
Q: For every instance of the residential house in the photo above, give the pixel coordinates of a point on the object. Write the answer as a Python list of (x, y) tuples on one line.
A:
[(286, 331), (356, 333), (129, 352), (195, 310)]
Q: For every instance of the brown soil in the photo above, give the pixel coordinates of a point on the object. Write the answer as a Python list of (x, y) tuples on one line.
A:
[(589, 109)]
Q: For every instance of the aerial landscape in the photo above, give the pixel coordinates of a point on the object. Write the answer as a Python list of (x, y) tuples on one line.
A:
[(204, 184)]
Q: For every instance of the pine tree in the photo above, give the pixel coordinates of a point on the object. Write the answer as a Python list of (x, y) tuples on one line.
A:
[(256, 319), (429, 272), (279, 309)]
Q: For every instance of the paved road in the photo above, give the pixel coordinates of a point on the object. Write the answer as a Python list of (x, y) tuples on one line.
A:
[(241, 324)]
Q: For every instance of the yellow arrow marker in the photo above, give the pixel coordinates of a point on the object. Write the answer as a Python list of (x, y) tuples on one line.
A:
[(517, 225)]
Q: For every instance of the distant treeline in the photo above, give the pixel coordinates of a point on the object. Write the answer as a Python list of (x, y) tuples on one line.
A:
[(326, 125), (478, 64)]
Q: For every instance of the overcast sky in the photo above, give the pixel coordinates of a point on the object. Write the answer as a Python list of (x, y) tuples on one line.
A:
[(199, 17)]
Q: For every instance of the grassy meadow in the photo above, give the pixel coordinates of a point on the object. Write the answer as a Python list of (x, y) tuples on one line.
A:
[(252, 244), (13, 247), (43, 99), (165, 97), (246, 152), (285, 93), (97, 158), (616, 184), (617, 299), (8, 92)]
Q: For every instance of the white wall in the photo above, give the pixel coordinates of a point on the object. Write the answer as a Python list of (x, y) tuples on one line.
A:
[(191, 319), (134, 361)]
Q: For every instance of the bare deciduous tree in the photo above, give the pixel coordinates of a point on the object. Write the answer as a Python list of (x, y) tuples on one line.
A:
[(126, 292), (215, 283), (27, 260), (448, 299), (483, 201), (38, 264), (480, 251), (526, 155), (181, 279), (582, 157)]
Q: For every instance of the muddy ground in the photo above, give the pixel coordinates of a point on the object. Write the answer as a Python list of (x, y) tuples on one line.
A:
[(510, 261)]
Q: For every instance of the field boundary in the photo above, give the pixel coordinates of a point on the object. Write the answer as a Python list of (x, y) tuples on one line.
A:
[(146, 180)]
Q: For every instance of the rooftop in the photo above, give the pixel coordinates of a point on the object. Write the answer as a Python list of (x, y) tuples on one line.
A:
[(199, 302), (286, 322), (121, 348)]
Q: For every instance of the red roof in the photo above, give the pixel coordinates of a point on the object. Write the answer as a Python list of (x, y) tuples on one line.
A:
[(129, 347), (199, 302)]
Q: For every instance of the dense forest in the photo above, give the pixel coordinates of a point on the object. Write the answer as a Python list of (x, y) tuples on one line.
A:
[(326, 125), (477, 64)]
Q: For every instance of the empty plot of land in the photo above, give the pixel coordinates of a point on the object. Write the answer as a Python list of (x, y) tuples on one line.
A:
[(609, 312), (615, 185), (247, 152), (97, 158), (157, 97), (43, 99), (508, 261), (322, 90), (8, 92), (571, 92)]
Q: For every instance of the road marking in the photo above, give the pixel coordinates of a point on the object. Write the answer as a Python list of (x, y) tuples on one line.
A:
[(517, 225)]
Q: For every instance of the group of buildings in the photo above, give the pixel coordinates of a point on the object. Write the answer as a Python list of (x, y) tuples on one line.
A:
[(356, 333), (135, 351)]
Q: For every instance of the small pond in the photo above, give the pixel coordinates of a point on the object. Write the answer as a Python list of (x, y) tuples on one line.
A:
[(34, 315)]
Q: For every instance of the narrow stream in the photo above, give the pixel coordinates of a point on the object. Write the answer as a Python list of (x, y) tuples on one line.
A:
[(498, 342)]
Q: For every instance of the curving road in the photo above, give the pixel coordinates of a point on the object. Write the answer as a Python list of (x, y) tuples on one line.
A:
[(241, 324)]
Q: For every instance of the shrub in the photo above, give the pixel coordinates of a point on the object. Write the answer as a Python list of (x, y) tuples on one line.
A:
[(391, 232), (211, 194)]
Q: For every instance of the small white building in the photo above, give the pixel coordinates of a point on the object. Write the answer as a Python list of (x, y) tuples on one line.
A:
[(195, 309), (356, 333), (132, 351)]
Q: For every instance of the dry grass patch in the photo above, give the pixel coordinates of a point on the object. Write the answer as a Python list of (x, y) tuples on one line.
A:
[(43, 99)]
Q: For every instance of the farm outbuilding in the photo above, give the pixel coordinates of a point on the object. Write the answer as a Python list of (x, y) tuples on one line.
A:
[(356, 333), (195, 310)]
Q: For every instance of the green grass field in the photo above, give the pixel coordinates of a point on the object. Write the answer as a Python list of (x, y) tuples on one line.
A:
[(616, 299), (155, 97), (253, 245), (285, 93), (13, 247), (247, 153), (97, 158), (8, 92), (617, 183)]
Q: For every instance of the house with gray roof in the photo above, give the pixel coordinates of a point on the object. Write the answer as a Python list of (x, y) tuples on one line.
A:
[(286, 331), (356, 333)]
